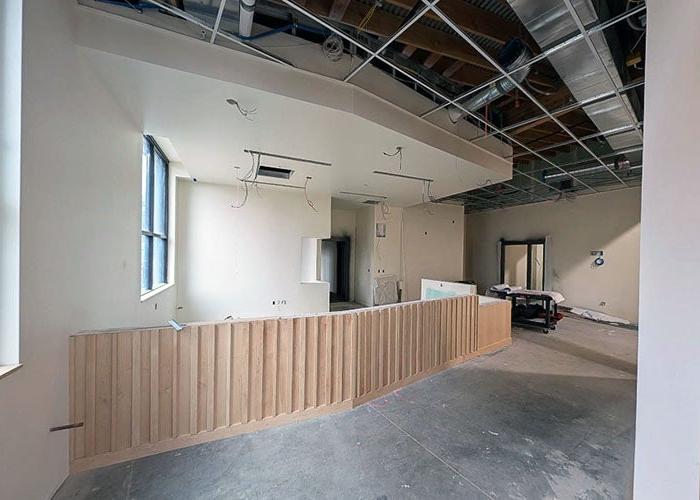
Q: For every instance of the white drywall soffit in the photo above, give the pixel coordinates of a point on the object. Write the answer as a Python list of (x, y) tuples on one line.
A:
[(313, 79), (323, 120), (667, 442)]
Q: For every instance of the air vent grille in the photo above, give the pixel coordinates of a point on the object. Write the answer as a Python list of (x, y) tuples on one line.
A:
[(275, 172)]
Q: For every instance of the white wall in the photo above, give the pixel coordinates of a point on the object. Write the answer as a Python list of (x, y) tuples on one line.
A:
[(235, 262), (10, 157), (423, 241), (439, 253), (80, 213), (343, 224), (364, 260), (608, 222), (667, 455)]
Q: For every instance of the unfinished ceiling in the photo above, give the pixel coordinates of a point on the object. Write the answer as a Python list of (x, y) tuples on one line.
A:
[(559, 80)]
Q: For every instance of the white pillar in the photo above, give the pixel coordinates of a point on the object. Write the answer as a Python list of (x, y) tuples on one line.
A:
[(667, 455)]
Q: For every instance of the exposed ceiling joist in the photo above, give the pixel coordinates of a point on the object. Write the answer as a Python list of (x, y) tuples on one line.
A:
[(338, 9), (452, 69), (472, 19), (384, 24), (431, 60), (408, 50)]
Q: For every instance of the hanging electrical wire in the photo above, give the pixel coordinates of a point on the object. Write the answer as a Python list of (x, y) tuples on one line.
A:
[(365, 20), (399, 152), (426, 197), (242, 110), (253, 172), (385, 209), (306, 195), (333, 47)]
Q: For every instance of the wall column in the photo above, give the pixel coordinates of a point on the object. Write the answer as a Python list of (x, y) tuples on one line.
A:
[(667, 455)]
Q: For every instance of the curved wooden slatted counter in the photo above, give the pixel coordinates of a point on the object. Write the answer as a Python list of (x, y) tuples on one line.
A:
[(140, 392)]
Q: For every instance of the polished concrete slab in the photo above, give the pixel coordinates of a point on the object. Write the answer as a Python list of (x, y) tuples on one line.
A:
[(552, 416)]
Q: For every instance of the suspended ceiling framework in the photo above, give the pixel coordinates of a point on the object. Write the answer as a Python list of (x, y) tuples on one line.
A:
[(574, 121)]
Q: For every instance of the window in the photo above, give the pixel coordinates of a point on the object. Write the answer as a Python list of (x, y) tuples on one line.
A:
[(154, 217)]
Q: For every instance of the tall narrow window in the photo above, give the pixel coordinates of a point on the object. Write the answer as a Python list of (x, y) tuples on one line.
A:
[(154, 217)]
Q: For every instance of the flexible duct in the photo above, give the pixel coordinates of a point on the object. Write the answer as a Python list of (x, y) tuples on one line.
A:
[(515, 53), (245, 22)]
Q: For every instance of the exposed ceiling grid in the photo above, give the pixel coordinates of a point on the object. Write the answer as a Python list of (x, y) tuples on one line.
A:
[(451, 50)]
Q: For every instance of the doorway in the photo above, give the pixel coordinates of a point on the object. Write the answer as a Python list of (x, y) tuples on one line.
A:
[(335, 267), (522, 263)]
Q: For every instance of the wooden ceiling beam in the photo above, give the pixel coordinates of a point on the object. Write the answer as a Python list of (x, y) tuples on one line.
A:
[(431, 60), (472, 19), (452, 69), (338, 9), (384, 25), (408, 50)]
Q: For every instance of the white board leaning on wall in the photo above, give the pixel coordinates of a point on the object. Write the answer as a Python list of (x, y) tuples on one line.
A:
[(434, 289)]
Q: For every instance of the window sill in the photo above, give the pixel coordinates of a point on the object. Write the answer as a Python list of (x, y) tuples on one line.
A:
[(152, 293), (6, 370)]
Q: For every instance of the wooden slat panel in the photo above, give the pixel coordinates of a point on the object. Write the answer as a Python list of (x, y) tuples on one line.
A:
[(90, 395), (184, 378), (311, 376), (78, 365), (347, 358), (493, 323), (299, 369), (145, 414), (255, 393), (222, 375), (165, 383), (134, 389), (269, 375), (240, 400), (103, 393), (284, 366), (123, 391), (194, 379)]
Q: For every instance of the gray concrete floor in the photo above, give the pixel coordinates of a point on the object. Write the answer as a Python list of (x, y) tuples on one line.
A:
[(552, 416)]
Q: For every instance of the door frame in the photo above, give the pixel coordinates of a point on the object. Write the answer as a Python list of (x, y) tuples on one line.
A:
[(538, 241)]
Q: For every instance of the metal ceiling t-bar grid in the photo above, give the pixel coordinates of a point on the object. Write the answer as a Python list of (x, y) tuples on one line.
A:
[(582, 30), (520, 87), (543, 55), (564, 109), (447, 101)]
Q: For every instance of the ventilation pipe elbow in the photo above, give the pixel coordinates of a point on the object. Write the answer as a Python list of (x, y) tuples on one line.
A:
[(245, 22), (515, 53)]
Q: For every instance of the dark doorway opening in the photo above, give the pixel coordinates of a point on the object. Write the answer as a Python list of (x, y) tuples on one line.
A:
[(335, 262)]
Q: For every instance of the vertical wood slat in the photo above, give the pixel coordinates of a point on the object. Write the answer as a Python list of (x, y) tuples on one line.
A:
[(222, 375), (133, 388), (255, 392)]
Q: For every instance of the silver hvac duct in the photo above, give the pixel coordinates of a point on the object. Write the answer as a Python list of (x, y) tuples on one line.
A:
[(514, 54), (549, 21), (245, 23)]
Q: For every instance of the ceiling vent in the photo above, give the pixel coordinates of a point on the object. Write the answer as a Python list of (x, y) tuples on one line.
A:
[(371, 202), (275, 172)]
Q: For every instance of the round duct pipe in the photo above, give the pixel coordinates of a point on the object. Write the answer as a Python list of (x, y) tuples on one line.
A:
[(515, 53), (245, 22)]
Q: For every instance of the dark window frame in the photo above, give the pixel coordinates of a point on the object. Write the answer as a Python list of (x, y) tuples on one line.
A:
[(529, 243), (150, 232)]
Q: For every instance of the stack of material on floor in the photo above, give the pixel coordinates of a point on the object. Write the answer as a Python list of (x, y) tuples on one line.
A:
[(498, 290), (385, 290)]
